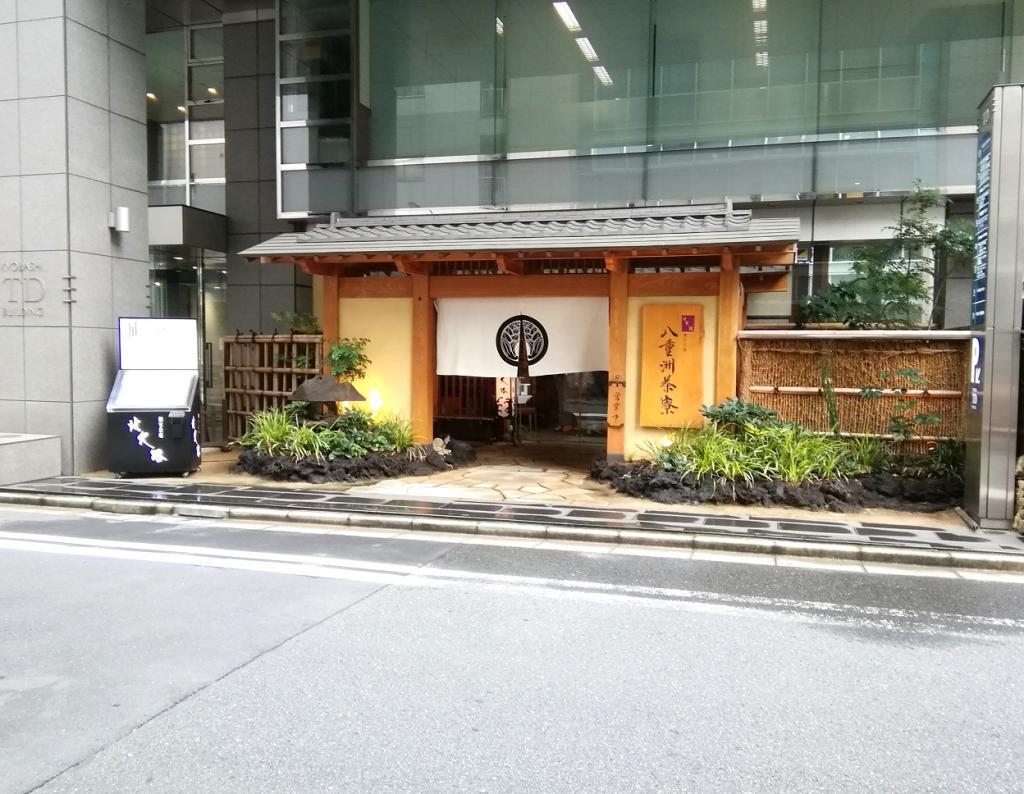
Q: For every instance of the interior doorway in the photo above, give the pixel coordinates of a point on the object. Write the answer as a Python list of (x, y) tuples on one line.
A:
[(571, 408), (551, 413), (191, 283)]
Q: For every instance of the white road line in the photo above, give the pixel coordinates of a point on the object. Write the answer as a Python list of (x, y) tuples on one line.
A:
[(415, 576)]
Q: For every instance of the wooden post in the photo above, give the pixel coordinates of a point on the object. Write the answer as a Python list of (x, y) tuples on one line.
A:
[(329, 316), (730, 310), (618, 296), (424, 353)]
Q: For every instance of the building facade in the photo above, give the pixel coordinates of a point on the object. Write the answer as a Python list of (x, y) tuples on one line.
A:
[(239, 120)]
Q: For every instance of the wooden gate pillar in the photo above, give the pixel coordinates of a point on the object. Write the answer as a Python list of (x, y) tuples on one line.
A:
[(618, 304), (730, 319), (424, 356)]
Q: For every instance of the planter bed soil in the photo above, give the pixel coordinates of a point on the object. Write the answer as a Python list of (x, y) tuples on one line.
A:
[(373, 466), (642, 479)]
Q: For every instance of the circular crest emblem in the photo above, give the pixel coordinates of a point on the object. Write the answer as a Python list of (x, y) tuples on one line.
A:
[(507, 339)]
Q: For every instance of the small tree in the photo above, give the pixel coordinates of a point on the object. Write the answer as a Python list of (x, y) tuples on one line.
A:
[(892, 282)]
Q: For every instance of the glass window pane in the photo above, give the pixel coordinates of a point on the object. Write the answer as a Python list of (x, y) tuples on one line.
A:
[(200, 130), (314, 101), (166, 147), (323, 190), (206, 83), (316, 56), (209, 198), (303, 16), (727, 71), (319, 145), (927, 66), (583, 89), (432, 78), (207, 161), (206, 43)]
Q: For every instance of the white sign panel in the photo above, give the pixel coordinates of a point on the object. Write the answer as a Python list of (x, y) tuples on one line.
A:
[(479, 337), (153, 390), (158, 343)]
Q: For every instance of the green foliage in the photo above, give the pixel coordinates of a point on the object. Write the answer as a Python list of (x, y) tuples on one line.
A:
[(734, 414), (306, 442), (906, 421), (298, 322), (268, 431), (891, 284), (766, 451), (352, 434), (398, 432), (347, 358), (867, 454), (828, 392)]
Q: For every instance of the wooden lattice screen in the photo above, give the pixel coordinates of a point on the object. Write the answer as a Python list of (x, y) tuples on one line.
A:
[(786, 376), (261, 371)]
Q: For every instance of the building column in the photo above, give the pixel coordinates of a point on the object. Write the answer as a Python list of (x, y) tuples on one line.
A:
[(73, 126), (730, 319), (424, 356), (618, 301)]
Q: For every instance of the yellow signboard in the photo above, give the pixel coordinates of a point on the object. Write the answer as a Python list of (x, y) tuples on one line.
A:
[(672, 359)]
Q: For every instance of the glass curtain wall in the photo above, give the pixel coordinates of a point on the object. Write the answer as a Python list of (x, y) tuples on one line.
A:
[(506, 102), (185, 116)]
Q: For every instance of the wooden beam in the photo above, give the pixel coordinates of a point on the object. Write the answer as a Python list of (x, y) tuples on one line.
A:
[(784, 259), (730, 307), (508, 265), (404, 264), (424, 351), (765, 282), (580, 285), (644, 285), (371, 287), (329, 319), (618, 303), (315, 268), (616, 264)]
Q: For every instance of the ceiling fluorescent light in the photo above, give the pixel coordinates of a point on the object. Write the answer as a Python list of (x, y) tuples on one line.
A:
[(761, 58), (499, 26), (587, 49), (602, 75), (151, 96), (568, 17), (759, 5)]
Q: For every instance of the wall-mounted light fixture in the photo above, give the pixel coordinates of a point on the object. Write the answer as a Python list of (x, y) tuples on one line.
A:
[(119, 219)]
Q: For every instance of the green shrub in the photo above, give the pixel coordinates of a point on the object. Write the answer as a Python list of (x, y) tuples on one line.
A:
[(352, 434), (347, 358), (398, 432), (268, 431), (305, 441), (735, 414), (784, 452), (867, 454)]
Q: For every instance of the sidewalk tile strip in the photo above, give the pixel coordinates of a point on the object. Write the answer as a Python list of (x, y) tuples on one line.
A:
[(840, 537)]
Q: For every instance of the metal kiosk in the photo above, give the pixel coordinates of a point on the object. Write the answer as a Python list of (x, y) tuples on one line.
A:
[(153, 409)]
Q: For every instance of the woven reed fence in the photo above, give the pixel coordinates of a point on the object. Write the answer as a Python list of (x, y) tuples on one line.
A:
[(785, 375), (262, 370)]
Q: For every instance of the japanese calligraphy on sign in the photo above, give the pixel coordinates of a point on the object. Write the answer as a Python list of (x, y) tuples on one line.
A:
[(671, 382)]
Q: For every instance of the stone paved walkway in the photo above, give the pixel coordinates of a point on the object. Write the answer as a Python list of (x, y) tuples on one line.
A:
[(550, 474), (833, 529)]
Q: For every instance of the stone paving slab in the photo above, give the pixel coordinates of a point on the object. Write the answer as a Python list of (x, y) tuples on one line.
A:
[(325, 503)]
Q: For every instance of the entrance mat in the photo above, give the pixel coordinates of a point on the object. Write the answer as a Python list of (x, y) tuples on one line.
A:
[(838, 531)]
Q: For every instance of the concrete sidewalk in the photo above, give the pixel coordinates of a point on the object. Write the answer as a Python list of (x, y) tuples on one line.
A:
[(833, 537)]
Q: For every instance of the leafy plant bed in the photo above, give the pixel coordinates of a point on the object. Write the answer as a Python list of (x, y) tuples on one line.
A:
[(646, 480), (370, 467)]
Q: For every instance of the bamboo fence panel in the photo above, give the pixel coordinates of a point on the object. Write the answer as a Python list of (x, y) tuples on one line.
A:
[(262, 370), (786, 377)]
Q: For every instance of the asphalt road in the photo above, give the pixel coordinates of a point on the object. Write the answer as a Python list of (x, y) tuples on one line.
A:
[(165, 655)]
